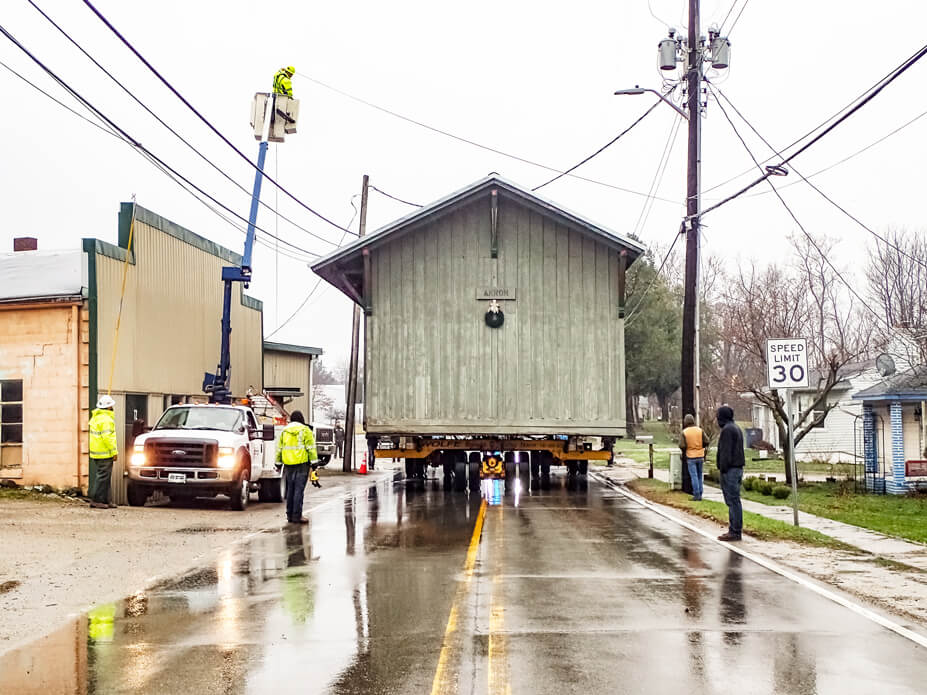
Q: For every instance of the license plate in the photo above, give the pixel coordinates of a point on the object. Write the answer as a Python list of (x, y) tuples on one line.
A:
[(176, 477)]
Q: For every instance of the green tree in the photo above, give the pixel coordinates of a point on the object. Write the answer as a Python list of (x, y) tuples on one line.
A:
[(653, 335)]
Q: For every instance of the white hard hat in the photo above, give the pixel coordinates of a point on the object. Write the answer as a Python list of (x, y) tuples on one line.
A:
[(106, 402)]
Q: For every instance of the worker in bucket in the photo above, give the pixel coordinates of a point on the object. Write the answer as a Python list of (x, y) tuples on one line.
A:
[(282, 83), (103, 451), (297, 454)]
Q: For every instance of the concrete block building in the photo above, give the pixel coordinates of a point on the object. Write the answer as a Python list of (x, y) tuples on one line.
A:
[(60, 347)]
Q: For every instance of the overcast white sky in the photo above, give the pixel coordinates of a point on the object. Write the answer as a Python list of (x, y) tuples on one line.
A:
[(534, 79)]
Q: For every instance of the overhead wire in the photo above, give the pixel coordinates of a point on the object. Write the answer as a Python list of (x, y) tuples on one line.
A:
[(880, 237), (808, 133), (472, 143), (647, 207), (633, 312), (727, 16), (737, 18), (393, 197), (318, 281), (602, 148), (206, 121), (795, 219), (131, 140), (870, 95), (174, 132)]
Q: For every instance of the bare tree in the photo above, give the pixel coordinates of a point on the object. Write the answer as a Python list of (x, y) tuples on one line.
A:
[(897, 276), (807, 300), (322, 402)]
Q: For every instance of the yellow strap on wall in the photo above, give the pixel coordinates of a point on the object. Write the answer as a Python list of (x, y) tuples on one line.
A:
[(122, 294)]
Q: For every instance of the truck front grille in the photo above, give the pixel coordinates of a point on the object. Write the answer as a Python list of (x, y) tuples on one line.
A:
[(184, 453)]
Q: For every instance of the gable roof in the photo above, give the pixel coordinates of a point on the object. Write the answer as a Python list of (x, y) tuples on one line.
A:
[(906, 386), (343, 266)]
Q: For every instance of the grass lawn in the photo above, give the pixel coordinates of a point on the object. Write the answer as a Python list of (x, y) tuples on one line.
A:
[(754, 524), (662, 439), (902, 516)]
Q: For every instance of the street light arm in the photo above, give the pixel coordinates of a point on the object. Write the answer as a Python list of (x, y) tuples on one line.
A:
[(642, 90)]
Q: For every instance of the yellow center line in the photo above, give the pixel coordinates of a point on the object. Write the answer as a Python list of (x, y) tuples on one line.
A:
[(498, 662), (443, 680)]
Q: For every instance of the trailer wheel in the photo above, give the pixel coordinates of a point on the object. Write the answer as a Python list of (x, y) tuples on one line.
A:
[(546, 458), (460, 476), (572, 468), (523, 465), (583, 468), (535, 465), (510, 467), (447, 464), (474, 472), (410, 469)]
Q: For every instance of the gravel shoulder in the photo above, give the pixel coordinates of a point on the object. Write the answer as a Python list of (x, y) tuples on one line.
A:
[(59, 557)]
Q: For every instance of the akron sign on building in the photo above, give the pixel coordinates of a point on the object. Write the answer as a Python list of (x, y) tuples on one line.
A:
[(787, 363)]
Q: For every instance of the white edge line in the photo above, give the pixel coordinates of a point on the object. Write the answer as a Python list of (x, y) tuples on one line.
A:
[(778, 569)]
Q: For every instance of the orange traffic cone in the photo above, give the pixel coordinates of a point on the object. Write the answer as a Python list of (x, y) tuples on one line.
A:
[(363, 467)]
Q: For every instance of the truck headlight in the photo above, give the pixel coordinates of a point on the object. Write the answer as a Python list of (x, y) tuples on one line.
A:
[(226, 457), (138, 455)]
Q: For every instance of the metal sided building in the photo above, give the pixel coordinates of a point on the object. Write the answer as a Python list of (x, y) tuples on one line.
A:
[(288, 374), (59, 349), (490, 312)]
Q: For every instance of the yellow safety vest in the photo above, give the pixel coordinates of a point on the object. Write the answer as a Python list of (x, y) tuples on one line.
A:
[(282, 84), (296, 445), (103, 435)]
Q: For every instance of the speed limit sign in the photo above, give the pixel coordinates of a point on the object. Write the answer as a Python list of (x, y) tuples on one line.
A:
[(787, 363)]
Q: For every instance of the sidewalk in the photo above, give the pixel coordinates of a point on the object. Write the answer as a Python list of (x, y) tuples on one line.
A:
[(889, 547)]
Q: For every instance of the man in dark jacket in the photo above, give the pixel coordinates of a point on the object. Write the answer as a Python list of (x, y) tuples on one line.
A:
[(731, 466)]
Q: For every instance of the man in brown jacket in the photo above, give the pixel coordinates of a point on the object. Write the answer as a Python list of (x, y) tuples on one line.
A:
[(694, 445)]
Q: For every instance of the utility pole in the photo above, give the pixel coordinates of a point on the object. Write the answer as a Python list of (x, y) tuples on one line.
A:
[(351, 399), (690, 310)]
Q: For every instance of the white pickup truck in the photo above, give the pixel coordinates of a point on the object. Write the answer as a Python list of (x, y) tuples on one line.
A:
[(205, 450)]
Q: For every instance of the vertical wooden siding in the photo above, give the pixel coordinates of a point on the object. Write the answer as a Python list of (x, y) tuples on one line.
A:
[(556, 363)]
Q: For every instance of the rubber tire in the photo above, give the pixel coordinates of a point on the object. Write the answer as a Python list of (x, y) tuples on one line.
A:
[(271, 490), (410, 469), (524, 466), (473, 474), (546, 458), (583, 468), (240, 492), (511, 468), (535, 465), (460, 476), (572, 469), (137, 495), (324, 460)]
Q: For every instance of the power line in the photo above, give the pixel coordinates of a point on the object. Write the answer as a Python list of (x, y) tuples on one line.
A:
[(601, 149), (807, 134), (633, 312), (839, 161), (60, 103), (207, 122), (776, 170), (131, 140), (727, 16), (472, 143), (737, 18), (830, 200), (804, 231), (319, 280), (167, 126), (647, 207), (392, 197)]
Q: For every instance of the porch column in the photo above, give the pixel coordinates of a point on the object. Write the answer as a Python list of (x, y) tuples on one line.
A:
[(870, 452), (896, 485)]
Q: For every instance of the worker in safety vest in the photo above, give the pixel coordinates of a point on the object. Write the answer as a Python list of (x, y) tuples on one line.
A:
[(103, 451), (297, 454), (282, 84)]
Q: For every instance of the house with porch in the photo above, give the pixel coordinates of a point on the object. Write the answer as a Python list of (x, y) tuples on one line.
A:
[(839, 438), (894, 432)]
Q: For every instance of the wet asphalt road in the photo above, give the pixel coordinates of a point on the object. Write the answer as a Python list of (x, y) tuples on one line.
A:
[(389, 590)]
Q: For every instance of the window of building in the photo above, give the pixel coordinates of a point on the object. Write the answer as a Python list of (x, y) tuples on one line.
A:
[(11, 423)]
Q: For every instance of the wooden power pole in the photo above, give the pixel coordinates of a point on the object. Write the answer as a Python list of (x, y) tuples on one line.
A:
[(351, 398), (690, 310)]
